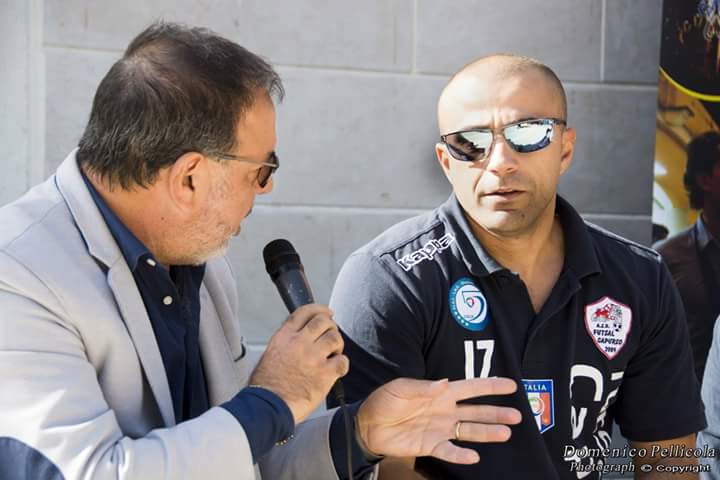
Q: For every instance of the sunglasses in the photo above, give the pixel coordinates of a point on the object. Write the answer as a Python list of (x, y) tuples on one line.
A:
[(264, 173), (525, 136)]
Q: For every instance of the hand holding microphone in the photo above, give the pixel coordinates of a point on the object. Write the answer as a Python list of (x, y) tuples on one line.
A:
[(403, 418), (304, 357)]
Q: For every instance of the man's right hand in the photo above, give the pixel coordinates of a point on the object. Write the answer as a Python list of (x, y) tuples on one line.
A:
[(303, 360), (413, 418)]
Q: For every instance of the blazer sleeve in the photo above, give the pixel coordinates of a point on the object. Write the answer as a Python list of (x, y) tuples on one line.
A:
[(55, 422), (305, 456)]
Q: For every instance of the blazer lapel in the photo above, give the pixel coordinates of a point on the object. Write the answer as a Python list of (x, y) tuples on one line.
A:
[(138, 324), (103, 247), (225, 375)]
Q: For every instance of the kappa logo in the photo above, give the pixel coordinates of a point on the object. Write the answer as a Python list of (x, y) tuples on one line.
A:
[(608, 322), (542, 402), (427, 252)]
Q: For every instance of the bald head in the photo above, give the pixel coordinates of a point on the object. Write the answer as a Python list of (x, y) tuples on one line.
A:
[(488, 75)]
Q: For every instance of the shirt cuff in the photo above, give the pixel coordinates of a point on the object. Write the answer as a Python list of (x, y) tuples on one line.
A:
[(338, 448), (264, 416)]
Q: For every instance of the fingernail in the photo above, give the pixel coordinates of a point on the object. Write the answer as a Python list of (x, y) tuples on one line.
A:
[(473, 457)]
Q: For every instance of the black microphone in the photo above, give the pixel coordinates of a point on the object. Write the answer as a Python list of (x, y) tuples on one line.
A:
[(283, 264)]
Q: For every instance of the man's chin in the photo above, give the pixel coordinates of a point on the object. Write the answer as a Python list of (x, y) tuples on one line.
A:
[(499, 222), (206, 257), (200, 258)]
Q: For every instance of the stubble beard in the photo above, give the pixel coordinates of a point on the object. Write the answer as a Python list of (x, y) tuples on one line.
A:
[(513, 223), (209, 236)]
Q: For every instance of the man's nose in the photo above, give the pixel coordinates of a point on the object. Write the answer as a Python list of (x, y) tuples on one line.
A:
[(501, 159)]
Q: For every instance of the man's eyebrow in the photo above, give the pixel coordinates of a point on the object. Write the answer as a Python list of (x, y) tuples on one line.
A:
[(525, 119), (486, 127)]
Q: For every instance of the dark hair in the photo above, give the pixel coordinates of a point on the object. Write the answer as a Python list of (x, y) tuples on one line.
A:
[(703, 153), (176, 89)]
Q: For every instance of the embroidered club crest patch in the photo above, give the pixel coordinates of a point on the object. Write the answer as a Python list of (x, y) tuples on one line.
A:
[(542, 402), (468, 305), (608, 322)]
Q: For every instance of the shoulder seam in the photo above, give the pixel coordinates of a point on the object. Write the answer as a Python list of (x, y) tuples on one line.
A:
[(383, 265), (32, 224), (395, 246), (613, 236)]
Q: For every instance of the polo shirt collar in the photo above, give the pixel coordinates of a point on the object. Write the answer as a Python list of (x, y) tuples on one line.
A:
[(580, 255), (477, 260)]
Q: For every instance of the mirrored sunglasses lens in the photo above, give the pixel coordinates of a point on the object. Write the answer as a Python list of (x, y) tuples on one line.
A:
[(469, 146), (529, 137)]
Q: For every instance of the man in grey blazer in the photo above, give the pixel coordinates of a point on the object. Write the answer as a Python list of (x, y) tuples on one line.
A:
[(121, 354)]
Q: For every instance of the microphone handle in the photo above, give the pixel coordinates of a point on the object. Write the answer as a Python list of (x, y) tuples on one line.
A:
[(295, 292), (294, 289)]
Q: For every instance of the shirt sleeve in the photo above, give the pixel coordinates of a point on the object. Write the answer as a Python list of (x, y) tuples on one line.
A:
[(381, 324), (660, 395), (264, 416)]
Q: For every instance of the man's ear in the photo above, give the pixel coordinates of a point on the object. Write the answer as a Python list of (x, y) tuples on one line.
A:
[(568, 149), (188, 180), (443, 158)]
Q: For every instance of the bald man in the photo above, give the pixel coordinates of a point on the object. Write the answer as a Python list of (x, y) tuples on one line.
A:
[(506, 279)]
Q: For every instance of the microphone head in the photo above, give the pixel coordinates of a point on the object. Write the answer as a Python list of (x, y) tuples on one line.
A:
[(280, 255)]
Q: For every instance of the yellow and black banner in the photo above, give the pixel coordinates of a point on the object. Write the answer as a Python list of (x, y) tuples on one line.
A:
[(688, 103)]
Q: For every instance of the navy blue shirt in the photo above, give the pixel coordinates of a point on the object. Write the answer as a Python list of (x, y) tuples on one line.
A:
[(172, 301)]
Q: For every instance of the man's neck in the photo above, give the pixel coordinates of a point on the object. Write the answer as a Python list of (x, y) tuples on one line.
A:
[(537, 255), (134, 211), (523, 253)]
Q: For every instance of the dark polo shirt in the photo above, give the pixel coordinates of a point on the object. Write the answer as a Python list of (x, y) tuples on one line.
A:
[(425, 300)]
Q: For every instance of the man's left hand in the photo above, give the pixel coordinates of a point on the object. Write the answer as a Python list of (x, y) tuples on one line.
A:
[(413, 418)]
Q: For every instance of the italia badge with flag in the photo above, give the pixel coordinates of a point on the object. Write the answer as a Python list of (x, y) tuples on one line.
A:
[(542, 402)]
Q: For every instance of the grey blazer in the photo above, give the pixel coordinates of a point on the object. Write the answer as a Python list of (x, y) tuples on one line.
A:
[(82, 383)]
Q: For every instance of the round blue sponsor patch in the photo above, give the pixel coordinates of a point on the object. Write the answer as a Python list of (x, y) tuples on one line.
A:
[(468, 305)]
